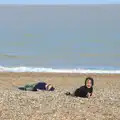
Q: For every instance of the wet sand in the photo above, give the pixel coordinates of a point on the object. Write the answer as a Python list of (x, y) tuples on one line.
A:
[(44, 105)]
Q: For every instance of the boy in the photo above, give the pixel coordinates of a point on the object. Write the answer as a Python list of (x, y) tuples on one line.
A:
[(85, 91)]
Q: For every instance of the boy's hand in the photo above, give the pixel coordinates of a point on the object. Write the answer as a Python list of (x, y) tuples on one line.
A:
[(88, 95), (93, 95)]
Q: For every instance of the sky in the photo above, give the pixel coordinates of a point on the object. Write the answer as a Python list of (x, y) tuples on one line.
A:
[(59, 1)]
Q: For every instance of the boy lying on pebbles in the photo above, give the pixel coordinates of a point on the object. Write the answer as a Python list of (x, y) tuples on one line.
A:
[(85, 91), (37, 87)]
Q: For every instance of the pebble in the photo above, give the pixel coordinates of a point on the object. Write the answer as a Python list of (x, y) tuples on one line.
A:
[(19, 105)]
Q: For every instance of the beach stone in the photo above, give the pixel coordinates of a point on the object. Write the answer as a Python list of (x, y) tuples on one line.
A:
[(19, 105)]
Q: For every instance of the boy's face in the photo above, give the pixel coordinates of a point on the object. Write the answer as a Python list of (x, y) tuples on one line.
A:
[(88, 84)]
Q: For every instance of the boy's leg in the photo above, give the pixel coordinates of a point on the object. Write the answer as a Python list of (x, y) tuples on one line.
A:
[(21, 88)]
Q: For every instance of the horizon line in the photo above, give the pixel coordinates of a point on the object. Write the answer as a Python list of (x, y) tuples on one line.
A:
[(61, 4)]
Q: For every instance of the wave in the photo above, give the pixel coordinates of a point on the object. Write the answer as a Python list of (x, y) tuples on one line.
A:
[(51, 70)]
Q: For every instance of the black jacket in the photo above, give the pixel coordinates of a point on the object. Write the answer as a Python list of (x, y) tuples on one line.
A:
[(83, 91)]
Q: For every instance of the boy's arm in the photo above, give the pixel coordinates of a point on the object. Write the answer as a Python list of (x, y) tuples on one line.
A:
[(88, 95)]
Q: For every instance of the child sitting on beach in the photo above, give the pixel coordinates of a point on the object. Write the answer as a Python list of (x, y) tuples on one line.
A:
[(37, 86), (85, 91)]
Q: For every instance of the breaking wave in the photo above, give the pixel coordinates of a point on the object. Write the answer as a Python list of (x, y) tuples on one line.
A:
[(51, 70)]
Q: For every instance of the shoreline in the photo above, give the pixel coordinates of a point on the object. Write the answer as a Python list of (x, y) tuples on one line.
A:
[(51, 77), (86, 70), (59, 73)]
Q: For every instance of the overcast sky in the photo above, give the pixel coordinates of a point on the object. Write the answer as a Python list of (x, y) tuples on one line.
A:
[(59, 1)]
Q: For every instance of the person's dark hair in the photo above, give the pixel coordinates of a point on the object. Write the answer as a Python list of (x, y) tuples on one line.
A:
[(89, 78), (51, 89)]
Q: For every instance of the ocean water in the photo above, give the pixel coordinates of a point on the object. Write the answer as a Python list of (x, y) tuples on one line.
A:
[(60, 38)]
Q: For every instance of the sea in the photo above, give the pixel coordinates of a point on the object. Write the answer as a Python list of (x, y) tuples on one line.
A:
[(82, 38)]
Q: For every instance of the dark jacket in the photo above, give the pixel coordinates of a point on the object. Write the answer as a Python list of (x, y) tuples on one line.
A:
[(83, 91)]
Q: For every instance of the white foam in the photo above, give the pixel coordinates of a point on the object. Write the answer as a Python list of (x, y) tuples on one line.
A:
[(51, 70)]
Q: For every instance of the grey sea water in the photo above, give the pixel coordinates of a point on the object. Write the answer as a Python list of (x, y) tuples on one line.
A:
[(60, 36)]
